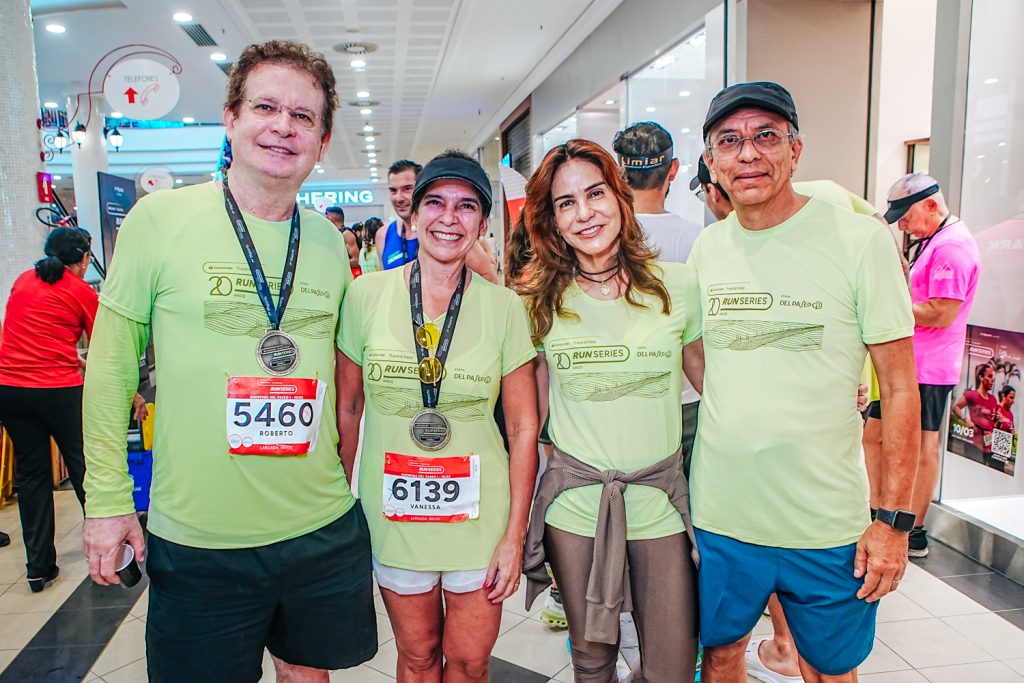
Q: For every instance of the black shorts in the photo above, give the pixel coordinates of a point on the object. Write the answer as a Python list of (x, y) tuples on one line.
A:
[(309, 600), (933, 406)]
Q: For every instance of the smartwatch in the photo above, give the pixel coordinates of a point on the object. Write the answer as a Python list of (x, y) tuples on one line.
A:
[(900, 520)]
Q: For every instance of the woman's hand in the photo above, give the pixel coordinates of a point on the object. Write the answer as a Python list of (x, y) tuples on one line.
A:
[(505, 569), (139, 409)]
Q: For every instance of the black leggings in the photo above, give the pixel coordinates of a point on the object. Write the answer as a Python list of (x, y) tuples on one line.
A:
[(31, 417), (664, 583)]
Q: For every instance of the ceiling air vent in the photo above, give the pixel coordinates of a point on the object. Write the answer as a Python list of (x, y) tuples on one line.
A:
[(225, 67), (198, 34), (355, 48)]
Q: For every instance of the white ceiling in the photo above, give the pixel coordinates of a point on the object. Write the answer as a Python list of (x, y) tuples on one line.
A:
[(445, 74)]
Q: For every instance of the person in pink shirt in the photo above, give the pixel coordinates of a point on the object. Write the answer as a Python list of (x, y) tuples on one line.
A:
[(1004, 417), (944, 263)]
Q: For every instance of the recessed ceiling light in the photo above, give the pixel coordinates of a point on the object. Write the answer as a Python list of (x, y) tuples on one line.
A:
[(187, 119), (319, 170), (981, 156), (57, 177), (988, 81), (182, 17), (609, 101), (684, 93), (370, 138), (357, 63), (218, 57), (55, 28), (684, 130), (50, 105), (362, 94), (651, 110), (367, 128), (116, 115), (372, 155), (371, 147), (178, 181), (366, 111), (1002, 144)]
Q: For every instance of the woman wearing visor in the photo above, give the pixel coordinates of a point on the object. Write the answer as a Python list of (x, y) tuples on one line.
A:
[(616, 329), (427, 348)]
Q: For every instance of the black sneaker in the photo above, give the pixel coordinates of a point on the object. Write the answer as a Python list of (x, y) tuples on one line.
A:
[(36, 585), (918, 542), (5, 539)]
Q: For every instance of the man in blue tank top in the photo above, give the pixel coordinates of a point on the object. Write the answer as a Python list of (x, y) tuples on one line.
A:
[(398, 244)]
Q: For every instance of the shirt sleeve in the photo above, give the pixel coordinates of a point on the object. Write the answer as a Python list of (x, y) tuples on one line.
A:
[(351, 333), (111, 379), (693, 324), (951, 272), (132, 280), (517, 348), (882, 298)]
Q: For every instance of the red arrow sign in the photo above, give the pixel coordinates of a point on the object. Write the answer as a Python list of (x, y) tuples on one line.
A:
[(130, 92)]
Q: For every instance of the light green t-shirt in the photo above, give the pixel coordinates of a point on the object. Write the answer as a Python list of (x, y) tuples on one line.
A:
[(491, 339), (787, 313), (179, 268), (615, 377), (368, 260), (834, 193)]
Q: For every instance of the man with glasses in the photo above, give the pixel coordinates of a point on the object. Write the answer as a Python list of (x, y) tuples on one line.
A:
[(795, 292), (256, 540)]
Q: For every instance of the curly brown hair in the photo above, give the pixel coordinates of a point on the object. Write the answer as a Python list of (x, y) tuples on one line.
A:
[(554, 263), (286, 53)]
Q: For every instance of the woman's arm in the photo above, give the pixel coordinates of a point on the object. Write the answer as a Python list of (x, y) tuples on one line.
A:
[(540, 371), (693, 363), (519, 402), (349, 380)]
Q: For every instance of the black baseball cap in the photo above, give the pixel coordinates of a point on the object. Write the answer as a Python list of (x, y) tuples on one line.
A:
[(703, 176), (759, 94), (454, 168)]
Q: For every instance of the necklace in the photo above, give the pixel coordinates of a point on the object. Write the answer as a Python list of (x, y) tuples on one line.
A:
[(605, 289), (598, 272)]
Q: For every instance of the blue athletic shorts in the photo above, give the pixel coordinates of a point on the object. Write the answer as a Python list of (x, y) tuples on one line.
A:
[(833, 629)]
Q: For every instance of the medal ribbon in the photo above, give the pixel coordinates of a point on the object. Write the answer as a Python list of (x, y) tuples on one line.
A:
[(431, 392), (922, 243), (274, 314)]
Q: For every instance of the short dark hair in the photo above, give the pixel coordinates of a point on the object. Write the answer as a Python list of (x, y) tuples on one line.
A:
[(1006, 391), (336, 209), (405, 165), (644, 139), (286, 53)]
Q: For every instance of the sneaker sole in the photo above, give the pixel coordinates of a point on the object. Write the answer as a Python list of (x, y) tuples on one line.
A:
[(923, 552), (553, 620)]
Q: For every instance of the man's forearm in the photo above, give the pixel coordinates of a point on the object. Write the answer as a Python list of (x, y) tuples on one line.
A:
[(940, 313), (111, 380), (901, 443)]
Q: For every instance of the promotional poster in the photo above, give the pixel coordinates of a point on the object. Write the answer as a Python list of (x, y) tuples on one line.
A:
[(985, 412)]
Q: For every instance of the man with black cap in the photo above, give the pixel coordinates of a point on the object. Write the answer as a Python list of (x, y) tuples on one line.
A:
[(795, 292), (645, 154), (944, 262)]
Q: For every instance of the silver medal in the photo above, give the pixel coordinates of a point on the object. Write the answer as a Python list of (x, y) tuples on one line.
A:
[(277, 353), (430, 430)]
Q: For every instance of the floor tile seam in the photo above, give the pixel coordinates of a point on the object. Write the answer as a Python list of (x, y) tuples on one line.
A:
[(107, 673)]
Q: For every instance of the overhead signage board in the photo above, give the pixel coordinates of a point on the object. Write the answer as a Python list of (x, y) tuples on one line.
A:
[(321, 199), (141, 89), (117, 197)]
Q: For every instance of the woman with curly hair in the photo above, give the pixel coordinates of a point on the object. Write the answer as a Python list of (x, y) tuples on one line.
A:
[(615, 328)]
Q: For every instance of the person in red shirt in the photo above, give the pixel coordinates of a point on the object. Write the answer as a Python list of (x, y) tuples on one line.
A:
[(1004, 416), (982, 410), (49, 309)]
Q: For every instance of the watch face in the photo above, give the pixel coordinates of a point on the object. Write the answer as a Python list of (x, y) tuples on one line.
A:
[(903, 521)]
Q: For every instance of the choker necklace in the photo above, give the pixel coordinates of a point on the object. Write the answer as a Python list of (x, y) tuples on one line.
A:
[(605, 289), (597, 272)]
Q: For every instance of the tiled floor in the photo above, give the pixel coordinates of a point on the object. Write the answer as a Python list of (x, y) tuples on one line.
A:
[(952, 620)]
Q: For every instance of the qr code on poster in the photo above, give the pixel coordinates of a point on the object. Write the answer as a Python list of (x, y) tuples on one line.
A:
[(1002, 443)]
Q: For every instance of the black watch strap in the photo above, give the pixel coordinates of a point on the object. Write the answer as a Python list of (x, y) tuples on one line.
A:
[(900, 520)]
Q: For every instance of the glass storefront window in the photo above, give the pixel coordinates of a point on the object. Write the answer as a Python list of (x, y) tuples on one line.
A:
[(979, 476), (559, 135), (675, 90)]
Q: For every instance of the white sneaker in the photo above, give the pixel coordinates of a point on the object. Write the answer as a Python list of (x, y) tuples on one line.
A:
[(757, 669)]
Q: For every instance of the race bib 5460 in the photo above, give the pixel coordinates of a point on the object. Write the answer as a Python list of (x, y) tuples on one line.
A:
[(273, 415), (418, 489)]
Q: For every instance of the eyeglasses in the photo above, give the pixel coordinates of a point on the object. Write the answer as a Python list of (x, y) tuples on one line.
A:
[(268, 109), (764, 141), (699, 194), (429, 369)]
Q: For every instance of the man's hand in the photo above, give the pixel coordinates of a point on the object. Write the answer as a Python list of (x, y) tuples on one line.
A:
[(103, 537), (139, 410), (862, 398), (881, 560)]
